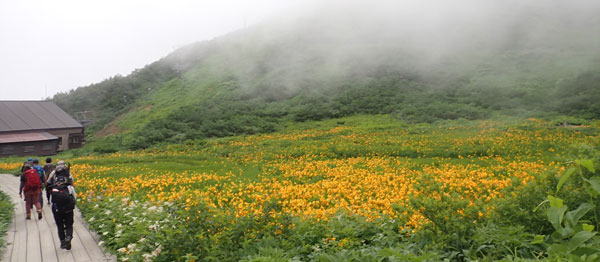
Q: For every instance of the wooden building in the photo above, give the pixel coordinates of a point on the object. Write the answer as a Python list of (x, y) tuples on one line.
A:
[(37, 128)]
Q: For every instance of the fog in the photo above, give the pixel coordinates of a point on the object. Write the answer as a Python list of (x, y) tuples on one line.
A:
[(52, 46), (299, 41), (431, 38)]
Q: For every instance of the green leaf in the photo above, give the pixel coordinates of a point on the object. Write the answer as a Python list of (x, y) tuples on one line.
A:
[(555, 216), (587, 251), (594, 183), (578, 239), (538, 239), (563, 179), (588, 164), (572, 217), (588, 228), (555, 201)]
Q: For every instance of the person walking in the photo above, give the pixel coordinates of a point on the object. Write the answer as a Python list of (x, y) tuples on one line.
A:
[(48, 169), (31, 185), (63, 198), (40, 171), (29, 162)]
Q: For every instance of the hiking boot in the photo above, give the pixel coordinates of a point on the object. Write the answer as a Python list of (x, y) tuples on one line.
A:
[(28, 217), (63, 244), (39, 215), (68, 244)]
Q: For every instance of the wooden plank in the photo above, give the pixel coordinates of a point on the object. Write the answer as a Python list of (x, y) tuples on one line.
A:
[(19, 250), (37, 240), (34, 251), (61, 254), (94, 251), (47, 242), (78, 250)]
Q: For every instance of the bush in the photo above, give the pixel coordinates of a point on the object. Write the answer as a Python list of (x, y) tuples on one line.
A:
[(6, 214)]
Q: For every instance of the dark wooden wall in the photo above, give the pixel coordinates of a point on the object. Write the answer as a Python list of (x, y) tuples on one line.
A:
[(37, 148)]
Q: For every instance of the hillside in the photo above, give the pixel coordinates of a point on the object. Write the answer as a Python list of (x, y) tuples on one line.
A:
[(419, 68)]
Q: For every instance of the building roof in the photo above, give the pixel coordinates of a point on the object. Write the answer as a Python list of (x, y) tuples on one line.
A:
[(26, 137), (33, 115)]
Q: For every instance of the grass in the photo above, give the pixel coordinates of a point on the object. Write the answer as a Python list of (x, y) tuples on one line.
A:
[(321, 189), (6, 214)]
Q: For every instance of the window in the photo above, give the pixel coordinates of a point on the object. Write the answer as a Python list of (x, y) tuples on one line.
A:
[(75, 138), (60, 140)]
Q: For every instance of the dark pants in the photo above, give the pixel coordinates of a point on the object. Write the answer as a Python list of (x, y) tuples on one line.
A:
[(41, 199), (48, 194), (64, 223)]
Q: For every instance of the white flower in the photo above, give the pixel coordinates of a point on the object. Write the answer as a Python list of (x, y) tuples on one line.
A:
[(122, 250), (142, 240), (153, 226), (131, 246), (101, 243), (105, 233), (108, 212), (91, 219), (157, 251), (148, 257)]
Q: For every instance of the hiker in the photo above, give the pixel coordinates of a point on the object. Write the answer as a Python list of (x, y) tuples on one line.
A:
[(63, 203), (29, 162), (64, 170), (31, 185), (48, 169), (40, 171)]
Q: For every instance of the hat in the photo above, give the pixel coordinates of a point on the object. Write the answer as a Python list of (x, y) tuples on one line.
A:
[(29, 159), (60, 168), (60, 163)]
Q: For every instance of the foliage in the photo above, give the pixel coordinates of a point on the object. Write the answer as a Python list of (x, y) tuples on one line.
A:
[(6, 215), (355, 188), (574, 237), (217, 89)]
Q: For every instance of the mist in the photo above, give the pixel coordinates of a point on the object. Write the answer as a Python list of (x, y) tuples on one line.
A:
[(319, 61), (432, 39)]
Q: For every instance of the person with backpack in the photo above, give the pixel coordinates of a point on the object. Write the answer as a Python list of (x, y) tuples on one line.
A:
[(48, 169), (62, 169), (28, 162), (31, 185), (64, 200), (40, 170)]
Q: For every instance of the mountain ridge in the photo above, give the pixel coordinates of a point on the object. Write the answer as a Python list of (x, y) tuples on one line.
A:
[(312, 67)]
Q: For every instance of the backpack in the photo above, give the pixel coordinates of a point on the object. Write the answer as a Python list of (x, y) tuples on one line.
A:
[(62, 198), (39, 169), (48, 168), (32, 180)]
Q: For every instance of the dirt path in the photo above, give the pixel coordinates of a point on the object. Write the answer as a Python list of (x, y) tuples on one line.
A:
[(37, 240)]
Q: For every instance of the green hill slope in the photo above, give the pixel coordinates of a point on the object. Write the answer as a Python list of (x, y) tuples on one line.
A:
[(372, 61)]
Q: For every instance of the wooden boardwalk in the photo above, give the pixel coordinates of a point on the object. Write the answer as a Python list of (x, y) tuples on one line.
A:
[(37, 240)]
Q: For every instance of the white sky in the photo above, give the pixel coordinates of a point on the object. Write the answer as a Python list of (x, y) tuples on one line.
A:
[(48, 46)]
